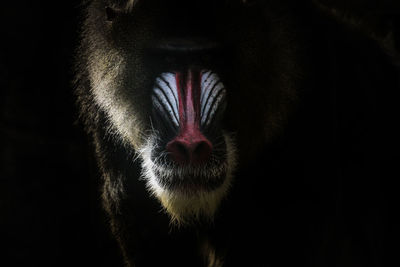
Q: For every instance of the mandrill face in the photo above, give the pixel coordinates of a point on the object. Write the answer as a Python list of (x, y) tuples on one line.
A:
[(194, 88), (189, 159)]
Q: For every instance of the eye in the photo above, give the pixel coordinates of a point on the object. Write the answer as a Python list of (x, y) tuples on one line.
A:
[(111, 13)]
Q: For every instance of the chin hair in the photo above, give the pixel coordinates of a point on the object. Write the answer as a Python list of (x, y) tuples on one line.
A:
[(186, 207)]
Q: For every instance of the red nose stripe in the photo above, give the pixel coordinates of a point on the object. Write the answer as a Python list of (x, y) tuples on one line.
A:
[(190, 145), (189, 87)]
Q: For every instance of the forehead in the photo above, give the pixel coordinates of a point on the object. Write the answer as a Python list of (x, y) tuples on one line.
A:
[(130, 3)]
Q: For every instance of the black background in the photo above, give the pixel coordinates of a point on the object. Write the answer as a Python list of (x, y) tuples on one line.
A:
[(49, 202), (50, 211)]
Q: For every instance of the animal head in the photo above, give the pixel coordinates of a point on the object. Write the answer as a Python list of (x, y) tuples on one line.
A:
[(193, 88)]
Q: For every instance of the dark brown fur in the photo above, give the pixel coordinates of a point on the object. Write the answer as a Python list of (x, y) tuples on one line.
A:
[(278, 54)]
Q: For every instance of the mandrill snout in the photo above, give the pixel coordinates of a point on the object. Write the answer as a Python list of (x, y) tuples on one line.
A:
[(188, 106)]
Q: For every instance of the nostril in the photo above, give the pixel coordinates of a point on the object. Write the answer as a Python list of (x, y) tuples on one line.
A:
[(202, 151), (181, 149), (178, 152), (195, 152)]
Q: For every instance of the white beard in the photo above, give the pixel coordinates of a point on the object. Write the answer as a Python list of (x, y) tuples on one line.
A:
[(184, 207)]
